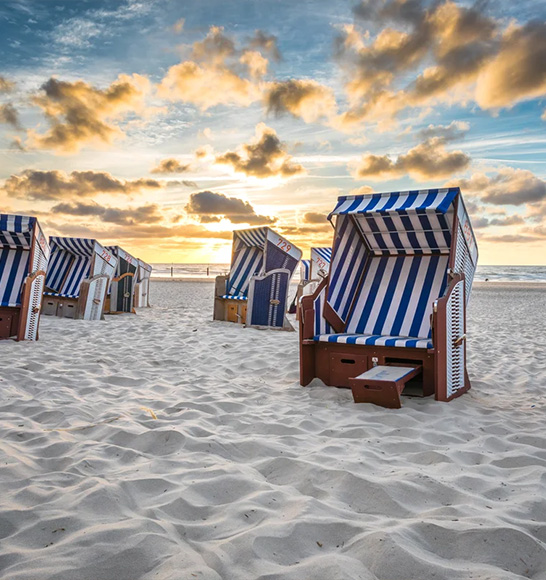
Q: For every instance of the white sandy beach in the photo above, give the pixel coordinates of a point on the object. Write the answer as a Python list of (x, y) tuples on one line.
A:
[(165, 446)]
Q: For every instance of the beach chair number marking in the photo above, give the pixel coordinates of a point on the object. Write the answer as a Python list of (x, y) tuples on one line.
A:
[(106, 256), (284, 246), (321, 264)]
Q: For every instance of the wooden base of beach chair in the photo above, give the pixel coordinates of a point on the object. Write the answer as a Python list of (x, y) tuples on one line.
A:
[(337, 364), (9, 321), (235, 311), (60, 307), (382, 385)]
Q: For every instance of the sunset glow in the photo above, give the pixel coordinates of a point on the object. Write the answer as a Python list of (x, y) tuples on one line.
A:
[(163, 126)]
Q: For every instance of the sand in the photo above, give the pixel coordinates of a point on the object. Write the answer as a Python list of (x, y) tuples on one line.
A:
[(165, 446)]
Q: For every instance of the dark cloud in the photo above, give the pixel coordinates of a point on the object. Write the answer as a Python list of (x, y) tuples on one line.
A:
[(171, 166), (81, 114), (301, 98), (10, 116), (153, 233), (508, 187), (146, 214), (49, 185), (211, 207), (426, 160), (265, 157), (266, 42)]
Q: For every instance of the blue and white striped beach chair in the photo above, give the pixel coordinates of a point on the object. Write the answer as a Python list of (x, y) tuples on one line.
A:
[(122, 286), (24, 254), (78, 277), (255, 292), (400, 278), (142, 286), (312, 271)]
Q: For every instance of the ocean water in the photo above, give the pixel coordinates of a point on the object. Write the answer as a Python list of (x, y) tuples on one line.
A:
[(491, 273)]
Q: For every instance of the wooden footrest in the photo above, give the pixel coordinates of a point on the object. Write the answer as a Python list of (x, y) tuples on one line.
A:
[(382, 385)]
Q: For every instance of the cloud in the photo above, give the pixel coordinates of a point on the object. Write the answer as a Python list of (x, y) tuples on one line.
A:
[(217, 73), (440, 51), (312, 217), (6, 86), (9, 116), (266, 42), (513, 239), (453, 132), (264, 157), (50, 185), (363, 190), (178, 26), (426, 160), (212, 207), (146, 214), (518, 71), (170, 165), (306, 99), (155, 232), (508, 187), (81, 114)]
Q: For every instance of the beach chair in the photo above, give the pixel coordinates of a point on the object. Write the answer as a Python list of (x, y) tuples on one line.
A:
[(24, 255), (391, 314), (78, 277), (122, 286), (312, 271), (142, 286), (255, 292)]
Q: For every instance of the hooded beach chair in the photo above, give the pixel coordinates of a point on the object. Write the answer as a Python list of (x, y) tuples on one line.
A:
[(24, 254), (255, 292), (122, 286), (78, 277), (142, 286), (393, 309), (312, 271)]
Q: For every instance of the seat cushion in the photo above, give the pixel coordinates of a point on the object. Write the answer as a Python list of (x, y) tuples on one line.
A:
[(230, 297), (60, 295), (378, 340)]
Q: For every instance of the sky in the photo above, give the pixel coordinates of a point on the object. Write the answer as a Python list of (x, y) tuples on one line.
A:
[(163, 125)]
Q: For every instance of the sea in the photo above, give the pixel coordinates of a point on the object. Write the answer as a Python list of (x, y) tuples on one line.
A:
[(484, 273)]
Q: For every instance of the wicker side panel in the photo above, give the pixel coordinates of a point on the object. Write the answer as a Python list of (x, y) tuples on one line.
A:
[(455, 330)]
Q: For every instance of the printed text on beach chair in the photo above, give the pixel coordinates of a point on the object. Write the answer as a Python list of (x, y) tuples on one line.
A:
[(142, 286), (400, 261), (256, 253), (312, 273), (24, 255), (77, 278), (121, 293)]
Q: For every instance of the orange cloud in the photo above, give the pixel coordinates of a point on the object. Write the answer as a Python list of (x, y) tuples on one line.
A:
[(306, 99), (264, 157), (170, 166), (80, 114), (6, 86), (217, 74), (437, 52)]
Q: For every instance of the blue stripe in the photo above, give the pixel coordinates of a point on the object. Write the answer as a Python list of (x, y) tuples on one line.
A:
[(424, 299), (406, 295), (373, 292), (389, 294)]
